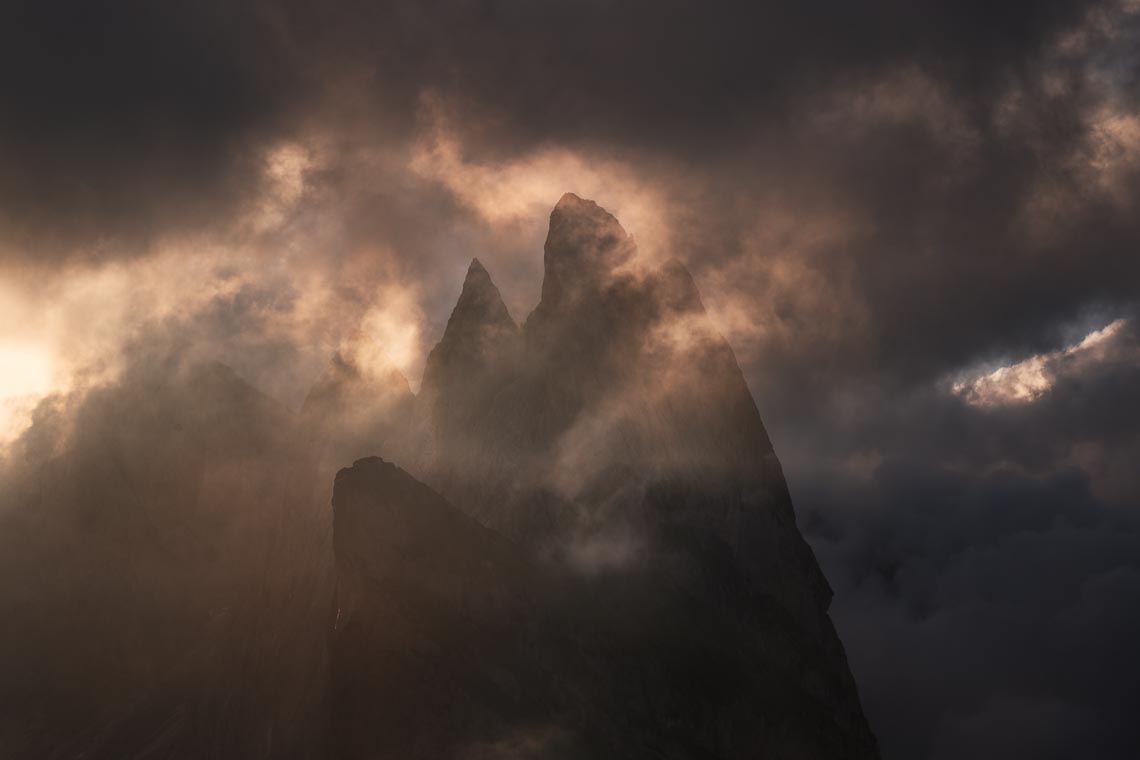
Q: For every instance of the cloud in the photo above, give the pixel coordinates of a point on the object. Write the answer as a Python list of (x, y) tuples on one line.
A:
[(984, 559), (1029, 379), (521, 190), (872, 198), (27, 373)]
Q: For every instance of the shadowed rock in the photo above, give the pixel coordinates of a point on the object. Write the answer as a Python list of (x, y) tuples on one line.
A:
[(451, 642), (478, 327), (617, 435), (595, 554), (584, 246)]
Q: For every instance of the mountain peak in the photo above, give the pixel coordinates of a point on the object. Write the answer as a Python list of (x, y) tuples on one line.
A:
[(584, 245), (479, 301), (479, 322), (570, 201), (476, 269)]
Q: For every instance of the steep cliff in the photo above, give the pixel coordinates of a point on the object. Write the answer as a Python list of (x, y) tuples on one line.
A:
[(452, 642), (613, 440), (590, 551)]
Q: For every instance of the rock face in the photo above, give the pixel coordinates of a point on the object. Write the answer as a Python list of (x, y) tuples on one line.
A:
[(633, 582), (590, 551), (451, 642), (616, 415), (479, 327)]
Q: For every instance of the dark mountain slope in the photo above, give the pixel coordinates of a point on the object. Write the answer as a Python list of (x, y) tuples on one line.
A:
[(451, 642), (599, 558), (615, 436)]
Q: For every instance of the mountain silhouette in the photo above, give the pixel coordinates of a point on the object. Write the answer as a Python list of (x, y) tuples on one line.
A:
[(575, 541), (605, 485)]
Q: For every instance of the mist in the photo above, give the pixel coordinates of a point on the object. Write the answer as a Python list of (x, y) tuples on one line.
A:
[(914, 228)]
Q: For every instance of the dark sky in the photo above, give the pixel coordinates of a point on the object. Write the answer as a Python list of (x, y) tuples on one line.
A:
[(916, 222)]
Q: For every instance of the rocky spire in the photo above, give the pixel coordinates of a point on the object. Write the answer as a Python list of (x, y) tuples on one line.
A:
[(480, 305), (478, 324), (584, 245)]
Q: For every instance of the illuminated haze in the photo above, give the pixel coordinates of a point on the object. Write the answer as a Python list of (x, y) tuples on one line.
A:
[(916, 227)]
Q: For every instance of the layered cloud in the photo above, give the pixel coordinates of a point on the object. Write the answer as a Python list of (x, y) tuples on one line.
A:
[(915, 226)]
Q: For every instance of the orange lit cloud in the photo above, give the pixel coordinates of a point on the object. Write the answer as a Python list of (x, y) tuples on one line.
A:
[(521, 191), (1029, 379)]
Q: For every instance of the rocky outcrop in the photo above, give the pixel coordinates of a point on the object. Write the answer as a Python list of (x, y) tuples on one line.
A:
[(591, 551), (451, 642), (618, 413), (465, 384), (613, 440), (479, 330)]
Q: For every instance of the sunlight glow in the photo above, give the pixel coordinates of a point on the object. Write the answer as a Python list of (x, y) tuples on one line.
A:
[(1031, 378), (25, 377)]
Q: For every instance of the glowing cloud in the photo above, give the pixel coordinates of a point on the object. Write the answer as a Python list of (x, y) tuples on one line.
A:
[(390, 335), (1030, 378), (25, 376), (521, 191)]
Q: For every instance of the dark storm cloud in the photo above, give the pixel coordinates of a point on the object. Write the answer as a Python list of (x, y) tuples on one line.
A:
[(966, 600), (986, 562), (123, 120), (877, 199), (129, 122), (667, 72), (126, 120), (1088, 403)]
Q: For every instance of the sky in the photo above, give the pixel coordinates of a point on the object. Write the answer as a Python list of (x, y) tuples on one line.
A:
[(915, 222)]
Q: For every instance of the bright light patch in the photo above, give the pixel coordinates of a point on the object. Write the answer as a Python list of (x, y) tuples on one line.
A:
[(393, 341), (284, 177), (25, 377), (1030, 379), (390, 335), (523, 190)]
